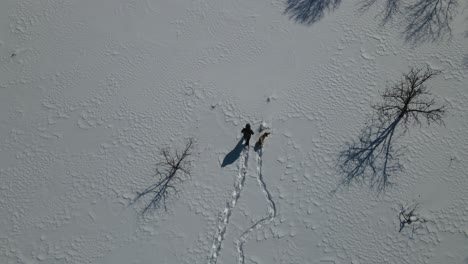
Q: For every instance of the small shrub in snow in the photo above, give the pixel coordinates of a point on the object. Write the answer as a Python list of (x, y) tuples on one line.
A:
[(169, 171), (408, 217)]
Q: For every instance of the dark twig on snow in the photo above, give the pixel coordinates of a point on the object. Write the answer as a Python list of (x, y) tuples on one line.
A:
[(169, 172), (372, 156), (429, 20)]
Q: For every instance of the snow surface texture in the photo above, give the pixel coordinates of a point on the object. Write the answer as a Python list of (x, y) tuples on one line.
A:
[(89, 91)]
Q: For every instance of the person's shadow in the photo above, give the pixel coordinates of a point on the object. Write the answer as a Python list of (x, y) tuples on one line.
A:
[(234, 154)]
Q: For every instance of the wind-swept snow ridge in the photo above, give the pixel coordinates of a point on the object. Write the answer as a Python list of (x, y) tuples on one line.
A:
[(226, 213), (265, 220)]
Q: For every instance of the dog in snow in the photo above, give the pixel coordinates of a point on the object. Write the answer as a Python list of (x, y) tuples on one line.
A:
[(262, 138)]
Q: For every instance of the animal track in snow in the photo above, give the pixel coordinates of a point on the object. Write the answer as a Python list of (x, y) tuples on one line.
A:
[(226, 213), (265, 220)]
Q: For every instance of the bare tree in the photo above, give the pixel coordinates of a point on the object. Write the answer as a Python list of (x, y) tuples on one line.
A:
[(409, 100), (429, 20), (309, 11), (373, 156), (169, 172)]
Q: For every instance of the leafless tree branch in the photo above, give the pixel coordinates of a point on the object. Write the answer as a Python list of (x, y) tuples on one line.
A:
[(373, 156), (409, 100)]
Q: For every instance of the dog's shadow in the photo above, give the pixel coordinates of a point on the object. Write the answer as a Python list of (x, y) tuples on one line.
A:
[(234, 154), (257, 146)]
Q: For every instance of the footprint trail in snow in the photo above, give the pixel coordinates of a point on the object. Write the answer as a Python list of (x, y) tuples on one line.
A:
[(265, 220), (226, 213)]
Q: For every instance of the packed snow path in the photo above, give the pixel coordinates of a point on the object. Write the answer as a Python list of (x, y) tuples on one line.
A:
[(224, 216), (265, 220)]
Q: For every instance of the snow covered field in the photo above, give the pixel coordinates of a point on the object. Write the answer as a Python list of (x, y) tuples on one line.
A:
[(91, 90)]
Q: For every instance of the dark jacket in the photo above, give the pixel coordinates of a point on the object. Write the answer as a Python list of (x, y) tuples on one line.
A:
[(247, 132)]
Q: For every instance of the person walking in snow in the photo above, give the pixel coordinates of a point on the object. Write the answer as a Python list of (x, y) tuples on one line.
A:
[(248, 132)]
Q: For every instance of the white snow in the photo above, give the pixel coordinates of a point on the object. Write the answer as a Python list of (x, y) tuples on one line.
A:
[(90, 90)]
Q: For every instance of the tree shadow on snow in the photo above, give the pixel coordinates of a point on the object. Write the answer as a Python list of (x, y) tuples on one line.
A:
[(234, 154), (308, 12), (429, 20), (390, 9)]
